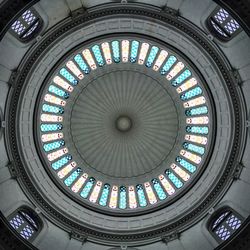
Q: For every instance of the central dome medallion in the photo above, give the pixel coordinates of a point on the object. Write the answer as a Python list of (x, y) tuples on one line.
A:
[(124, 124)]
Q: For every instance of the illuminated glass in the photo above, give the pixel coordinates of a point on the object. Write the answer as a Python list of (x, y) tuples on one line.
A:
[(17, 221), (190, 156), (198, 120), (134, 51), (174, 179), (116, 51), (81, 63), (143, 53), (54, 100), (51, 118), (51, 127), (104, 196), (63, 84), (53, 89), (197, 130), (180, 172), (63, 161), (27, 232), (89, 58), (66, 170), (160, 59), (106, 52), (51, 137), (182, 77), (187, 85), (54, 155), (86, 190), (168, 65), (74, 69), (79, 183), (151, 57), (197, 139), (150, 193), (52, 109), (132, 197), (197, 111), (166, 184), (194, 148), (69, 180), (65, 73), (98, 55), (54, 145), (159, 190), (177, 68), (190, 167), (122, 198), (125, 50), (191, 93), (141, 196), (113, 197), (95, 193), (194, 102)]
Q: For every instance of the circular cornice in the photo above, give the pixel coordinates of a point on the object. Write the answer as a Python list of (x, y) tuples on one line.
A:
[(236, 113)]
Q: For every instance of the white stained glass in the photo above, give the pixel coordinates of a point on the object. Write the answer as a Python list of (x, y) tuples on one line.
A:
[(62, 173), (125, 50), (63, 84), (165, 183), (51, 118), (106, 52), (198, 120), (51, 137), (132, 197), (192, 157), (194, 102), (89, 58), (197, 139), (57, 154), (160, 59), (177, 68), (143, 53), (71, 65), (79, 183), (95, 193), (150, 193), (187, 85), (183, 174), (113, 197), (55, 100)]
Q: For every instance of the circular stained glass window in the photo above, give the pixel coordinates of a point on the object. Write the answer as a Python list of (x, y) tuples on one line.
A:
[(124, 124)]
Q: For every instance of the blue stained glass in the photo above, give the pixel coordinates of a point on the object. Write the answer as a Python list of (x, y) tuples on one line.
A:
[(53, 145), (153, 52), (176, 181), (51, 127), (160, 192), (69, 180), (123, 198), (53, 89), (84, 67), (86, 190), (191, 168), (58, 164), (182, 77), (191, 93), (134, 51), (104, 196), (197, 111), (65, 73), (169, 63), (98, 55), (116, 51), (141, 196), (52, 109), (197, 130), (194, 148)]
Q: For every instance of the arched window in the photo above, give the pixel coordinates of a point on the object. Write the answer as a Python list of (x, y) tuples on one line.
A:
[(27, 26), (222, 25), (26, 222), (224, 223)]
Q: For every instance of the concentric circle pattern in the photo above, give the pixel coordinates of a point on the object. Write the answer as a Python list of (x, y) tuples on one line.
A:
[(124, 124)]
